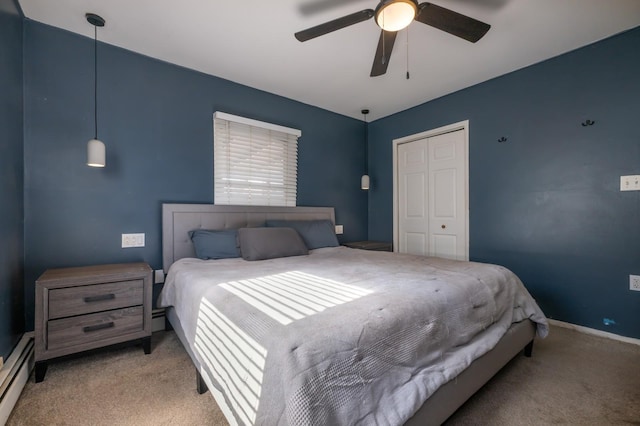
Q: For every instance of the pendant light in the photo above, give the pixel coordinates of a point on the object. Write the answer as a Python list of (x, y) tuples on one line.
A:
[(96, 152), (364, 181)]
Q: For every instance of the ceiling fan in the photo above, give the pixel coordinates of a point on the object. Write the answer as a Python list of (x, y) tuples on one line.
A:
[(395, 15)]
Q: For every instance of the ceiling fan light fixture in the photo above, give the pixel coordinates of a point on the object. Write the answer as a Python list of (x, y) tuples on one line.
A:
[(396, 15)]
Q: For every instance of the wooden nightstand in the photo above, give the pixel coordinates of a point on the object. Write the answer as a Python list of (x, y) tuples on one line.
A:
[(370, 245), (78, 309)]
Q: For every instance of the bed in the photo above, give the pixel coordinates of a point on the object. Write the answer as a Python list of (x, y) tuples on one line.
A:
[(363, 351)]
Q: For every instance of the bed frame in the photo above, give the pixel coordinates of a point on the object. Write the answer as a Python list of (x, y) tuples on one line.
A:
[(179, 219)]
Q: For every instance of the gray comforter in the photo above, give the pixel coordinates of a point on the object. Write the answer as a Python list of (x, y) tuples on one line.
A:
[(341, 336)]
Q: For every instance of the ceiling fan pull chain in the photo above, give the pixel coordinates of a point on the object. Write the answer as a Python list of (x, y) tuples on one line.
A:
[(383, 44), (383, 50), (407, 53)]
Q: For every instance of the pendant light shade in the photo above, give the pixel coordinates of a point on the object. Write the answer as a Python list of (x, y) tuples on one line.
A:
[(96, 151), (364, 182)]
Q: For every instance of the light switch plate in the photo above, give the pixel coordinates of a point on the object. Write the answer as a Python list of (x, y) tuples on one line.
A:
[(634, 282)]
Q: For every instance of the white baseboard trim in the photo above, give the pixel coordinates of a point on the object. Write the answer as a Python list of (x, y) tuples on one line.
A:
[(157, 320), (594, 332), (15, 374)]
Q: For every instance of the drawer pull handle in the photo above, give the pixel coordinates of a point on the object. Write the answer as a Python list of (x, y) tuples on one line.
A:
[(90, 328), (100, 298)]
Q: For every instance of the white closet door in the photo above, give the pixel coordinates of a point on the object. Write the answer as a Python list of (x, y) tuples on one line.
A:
[(414, 196), (432, 184)]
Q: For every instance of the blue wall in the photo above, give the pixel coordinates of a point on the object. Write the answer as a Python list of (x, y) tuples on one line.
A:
[(547, 202), (11, 177), (156, 121)]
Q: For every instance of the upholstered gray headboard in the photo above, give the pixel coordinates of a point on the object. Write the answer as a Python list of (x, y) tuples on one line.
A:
[(179, 219)]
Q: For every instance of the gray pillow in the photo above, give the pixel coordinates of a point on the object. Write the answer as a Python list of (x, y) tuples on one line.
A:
[(270, 243), (315, 233), (213, 244)]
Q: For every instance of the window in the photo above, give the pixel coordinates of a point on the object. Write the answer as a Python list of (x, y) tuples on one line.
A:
[(255, 163)]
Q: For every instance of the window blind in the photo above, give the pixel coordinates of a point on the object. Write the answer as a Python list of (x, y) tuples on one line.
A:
[(255, 163)]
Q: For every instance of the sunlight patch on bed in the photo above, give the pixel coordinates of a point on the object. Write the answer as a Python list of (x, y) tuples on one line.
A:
[(236, 360), (293, 295)]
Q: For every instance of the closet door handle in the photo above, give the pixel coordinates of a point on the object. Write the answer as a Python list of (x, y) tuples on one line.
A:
[(443, 226)]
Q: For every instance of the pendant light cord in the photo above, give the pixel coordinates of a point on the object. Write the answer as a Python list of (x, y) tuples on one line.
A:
[(366, 144), (95, 79)]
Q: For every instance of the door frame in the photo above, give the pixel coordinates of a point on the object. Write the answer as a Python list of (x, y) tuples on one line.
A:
[(461, 125)]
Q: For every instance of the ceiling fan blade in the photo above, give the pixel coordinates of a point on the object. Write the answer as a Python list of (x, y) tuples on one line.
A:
[(334, 25), (310, 7), (383, 52), (452, 22)]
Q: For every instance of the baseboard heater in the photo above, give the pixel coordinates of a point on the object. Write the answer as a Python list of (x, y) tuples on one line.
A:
[(15, 374)]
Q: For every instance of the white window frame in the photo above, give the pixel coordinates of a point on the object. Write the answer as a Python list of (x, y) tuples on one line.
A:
[(254, 162)]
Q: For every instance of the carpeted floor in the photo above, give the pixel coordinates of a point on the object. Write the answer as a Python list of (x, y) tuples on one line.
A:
[(121, 387), (573, 378)]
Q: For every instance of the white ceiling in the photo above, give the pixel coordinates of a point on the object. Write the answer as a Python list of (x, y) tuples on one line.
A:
[(251, 42)]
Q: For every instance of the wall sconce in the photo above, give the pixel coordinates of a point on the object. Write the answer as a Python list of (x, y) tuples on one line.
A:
[(96, 152), (364, 181)]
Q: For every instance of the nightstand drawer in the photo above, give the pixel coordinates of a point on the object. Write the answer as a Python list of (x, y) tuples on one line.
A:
[(68, 332), (66, 302)]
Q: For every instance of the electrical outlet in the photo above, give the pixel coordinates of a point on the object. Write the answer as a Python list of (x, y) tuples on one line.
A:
[(630, 183), (339, 229), (159, 276), (634, 282), (1, 362), (132, 240)]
